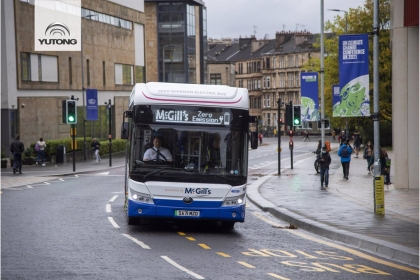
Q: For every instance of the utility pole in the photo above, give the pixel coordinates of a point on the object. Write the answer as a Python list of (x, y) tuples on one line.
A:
[(322, 77), (376, 136), (279, 122)]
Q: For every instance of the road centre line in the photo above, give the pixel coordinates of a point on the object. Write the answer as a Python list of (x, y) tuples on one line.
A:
[(113, 198), (223, 254), (182, 268), (204, 246), (181, 233), (278, 276), (246, 264), (138, 242), (190, 238), (343, 248), (108, 208), (111, 220)]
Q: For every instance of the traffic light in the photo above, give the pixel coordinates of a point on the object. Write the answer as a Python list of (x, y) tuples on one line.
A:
[(289, 115), (291, 133), (297, 121), (290, 145), (71, 112)]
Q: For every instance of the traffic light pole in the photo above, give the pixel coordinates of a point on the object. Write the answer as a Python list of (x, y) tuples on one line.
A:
[(291, 137), (73, 128)]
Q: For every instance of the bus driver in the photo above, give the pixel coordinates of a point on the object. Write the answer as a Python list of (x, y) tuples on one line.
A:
[(157, 152)]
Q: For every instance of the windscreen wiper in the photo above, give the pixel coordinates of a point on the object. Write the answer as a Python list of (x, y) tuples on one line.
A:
[(160, 169)]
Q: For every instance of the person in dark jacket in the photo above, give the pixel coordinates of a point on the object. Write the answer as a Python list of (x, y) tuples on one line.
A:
[(344, 152), (324, 164), (17, 149)]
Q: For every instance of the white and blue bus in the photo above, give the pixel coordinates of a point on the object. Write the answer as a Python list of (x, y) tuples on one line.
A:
[(187, 152)]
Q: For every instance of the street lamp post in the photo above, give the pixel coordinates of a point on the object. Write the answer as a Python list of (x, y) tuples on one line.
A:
[(345, 32), (83, 91), (110, 131), (163, 59), (322, 76)]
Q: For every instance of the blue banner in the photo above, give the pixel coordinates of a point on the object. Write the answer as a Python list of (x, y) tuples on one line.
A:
[(353, 59), (91, 104), (335, 98), (309, 96)]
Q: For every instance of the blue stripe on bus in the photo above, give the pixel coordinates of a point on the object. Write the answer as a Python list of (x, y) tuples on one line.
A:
[(213, 213)]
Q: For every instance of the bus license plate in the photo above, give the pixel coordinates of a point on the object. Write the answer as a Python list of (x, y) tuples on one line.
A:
[(187, 213)]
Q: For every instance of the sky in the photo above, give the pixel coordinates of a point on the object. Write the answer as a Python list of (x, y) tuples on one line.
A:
[(235, 18)]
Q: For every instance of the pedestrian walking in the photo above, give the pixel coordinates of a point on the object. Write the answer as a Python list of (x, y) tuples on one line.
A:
[(40, 148), (95, 147), (344, 152), (275, 132), (357, 141), (342, 137), (324, 164), (368, 154), (260, 136), (333, 135), (17, 149), (385, 165), (306, 136)]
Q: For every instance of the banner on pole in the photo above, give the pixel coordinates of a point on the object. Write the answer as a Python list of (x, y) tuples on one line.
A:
[(309, 96), (91, 104), (353, 59), (335, 98)]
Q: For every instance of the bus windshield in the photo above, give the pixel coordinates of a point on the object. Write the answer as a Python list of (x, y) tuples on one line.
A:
[(188, 153)]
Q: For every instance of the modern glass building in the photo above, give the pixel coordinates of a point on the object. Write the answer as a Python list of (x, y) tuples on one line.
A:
[(181, 41)]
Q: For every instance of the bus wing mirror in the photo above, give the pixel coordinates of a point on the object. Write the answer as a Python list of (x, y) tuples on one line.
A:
[(254, 140), (124, 130), (252, 119)]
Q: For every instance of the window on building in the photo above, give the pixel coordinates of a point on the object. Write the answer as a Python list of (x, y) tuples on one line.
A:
[(296, 60), (215, 79), (259, 103), (70, 72), (282, 62), (267, 62), (268, 119), (282, 81), (123, 74), (258, 66), (267, 100), (296, 79), (268, 82), (87, 72), (290, 60), (274, 63), (39, 67), (290, 79), (25, 64), (103, 73), (259, 84)]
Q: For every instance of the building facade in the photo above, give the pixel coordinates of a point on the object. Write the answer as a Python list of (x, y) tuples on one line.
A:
[(405, 92), (269, 69)]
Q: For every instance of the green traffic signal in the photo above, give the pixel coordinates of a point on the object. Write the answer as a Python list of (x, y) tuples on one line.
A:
[(71, 111), (296, 115)]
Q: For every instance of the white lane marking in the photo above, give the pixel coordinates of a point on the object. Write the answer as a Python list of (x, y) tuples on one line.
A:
[(108, 208), (111, 220), (113, 198), (182, 268), (103, 173), (144, 246), (117, 192), (29, 187)]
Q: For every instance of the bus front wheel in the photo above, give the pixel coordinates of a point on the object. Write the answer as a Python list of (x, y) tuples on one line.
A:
[(227, 225)]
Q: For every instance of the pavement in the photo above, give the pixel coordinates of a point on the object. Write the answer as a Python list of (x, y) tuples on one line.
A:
[(343, 212)]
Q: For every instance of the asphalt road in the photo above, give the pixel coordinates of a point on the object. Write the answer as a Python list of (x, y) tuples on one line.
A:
[(75, 228)]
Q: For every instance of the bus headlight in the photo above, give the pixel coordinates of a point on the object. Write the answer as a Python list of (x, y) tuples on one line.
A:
[(234, 201), (141, 197)]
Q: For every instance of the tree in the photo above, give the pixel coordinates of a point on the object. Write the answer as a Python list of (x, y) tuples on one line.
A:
[(359, 21)]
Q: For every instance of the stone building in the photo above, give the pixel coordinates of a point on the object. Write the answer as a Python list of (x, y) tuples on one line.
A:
[(269, 69), (123, 43)]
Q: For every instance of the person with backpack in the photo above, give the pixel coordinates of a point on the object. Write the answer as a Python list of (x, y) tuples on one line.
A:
[(357, 141), (344, 152), (324, 164), (17, 149), (40, 148), (95, 147), (368, 155)]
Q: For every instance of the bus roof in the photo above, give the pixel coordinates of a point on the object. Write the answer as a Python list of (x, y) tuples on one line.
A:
[(155, 93)]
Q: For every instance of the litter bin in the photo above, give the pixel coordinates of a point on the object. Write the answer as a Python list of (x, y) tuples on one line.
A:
[(60, 154)]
